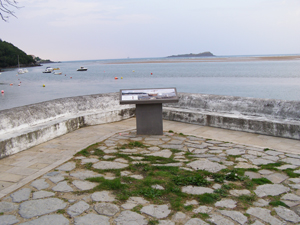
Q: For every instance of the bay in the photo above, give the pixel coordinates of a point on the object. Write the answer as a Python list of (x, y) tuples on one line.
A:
[(258, 79)]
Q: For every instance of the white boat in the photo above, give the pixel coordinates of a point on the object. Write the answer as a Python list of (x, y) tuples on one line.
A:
[(57, 73), (82, 69), (20, 71), (48, 70)]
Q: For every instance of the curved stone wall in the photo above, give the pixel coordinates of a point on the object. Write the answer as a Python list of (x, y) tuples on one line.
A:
[(27, 126), (263, 116)]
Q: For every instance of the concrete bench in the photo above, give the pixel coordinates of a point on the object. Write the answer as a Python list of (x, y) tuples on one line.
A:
[(262, 116), (27, 126)]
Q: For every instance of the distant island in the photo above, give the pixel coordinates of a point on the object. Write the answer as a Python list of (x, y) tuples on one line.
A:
[(203, 54)]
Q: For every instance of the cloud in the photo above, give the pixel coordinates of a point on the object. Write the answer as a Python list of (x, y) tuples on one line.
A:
[(66, 13)]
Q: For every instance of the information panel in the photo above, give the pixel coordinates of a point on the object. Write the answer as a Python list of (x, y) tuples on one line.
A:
[(148, 96)]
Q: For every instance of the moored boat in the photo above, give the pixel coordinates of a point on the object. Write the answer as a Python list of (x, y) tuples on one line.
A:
[(20, 71), (48, 70), (82, 69)]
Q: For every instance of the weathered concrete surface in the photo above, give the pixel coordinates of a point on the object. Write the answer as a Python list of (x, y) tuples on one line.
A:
[(27, 126), (28, 205), (263, 116)]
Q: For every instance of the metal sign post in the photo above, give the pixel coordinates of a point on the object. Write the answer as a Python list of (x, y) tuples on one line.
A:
[(148, 103)]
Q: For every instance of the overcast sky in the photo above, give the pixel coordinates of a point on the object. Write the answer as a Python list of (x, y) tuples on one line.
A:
[(110, 29)]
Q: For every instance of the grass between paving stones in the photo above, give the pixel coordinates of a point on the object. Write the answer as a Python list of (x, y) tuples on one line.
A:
[(87, 151), (61, 211), (173, 150), (131, 145), (202, 216), (233, 157), (291, 174), (172, 179), (261, 181), (153, 222), (278, 203), (272, 166)]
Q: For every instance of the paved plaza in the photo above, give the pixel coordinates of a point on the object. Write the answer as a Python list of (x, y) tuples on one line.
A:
[(106, 174)]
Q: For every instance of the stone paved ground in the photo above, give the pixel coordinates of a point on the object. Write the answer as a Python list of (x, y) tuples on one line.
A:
[(168, 179)]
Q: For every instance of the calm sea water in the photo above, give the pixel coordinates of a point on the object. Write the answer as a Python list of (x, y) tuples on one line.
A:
[(259, 79)]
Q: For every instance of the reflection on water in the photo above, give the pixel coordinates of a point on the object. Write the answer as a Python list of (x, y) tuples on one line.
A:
[(261, 79)]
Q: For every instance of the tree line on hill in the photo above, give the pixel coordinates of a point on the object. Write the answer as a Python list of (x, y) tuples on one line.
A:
[(9, 56)]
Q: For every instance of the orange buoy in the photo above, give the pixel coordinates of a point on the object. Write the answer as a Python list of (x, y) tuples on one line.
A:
[(11, 84), (70, 77), (2, 91), (116, 78)]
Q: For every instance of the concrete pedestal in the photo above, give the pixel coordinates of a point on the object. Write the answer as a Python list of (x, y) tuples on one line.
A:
[(149, 119)]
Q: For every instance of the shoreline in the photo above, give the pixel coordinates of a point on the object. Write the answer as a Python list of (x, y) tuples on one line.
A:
[(212, 59)]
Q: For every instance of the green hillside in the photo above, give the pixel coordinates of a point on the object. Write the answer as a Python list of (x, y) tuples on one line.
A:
[(9, 55)]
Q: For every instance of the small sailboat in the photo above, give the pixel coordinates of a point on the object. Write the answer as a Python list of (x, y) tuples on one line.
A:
[(21, 71)]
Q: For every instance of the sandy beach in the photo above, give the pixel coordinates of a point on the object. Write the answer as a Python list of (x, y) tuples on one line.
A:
[(211, 59)]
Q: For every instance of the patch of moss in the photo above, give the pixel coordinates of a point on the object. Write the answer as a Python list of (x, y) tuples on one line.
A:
[(153, 222), (277, 203), (291, 174), (208, 198), (86, 152), (272, 166), (261, 181), (61, 211), (197, 180)]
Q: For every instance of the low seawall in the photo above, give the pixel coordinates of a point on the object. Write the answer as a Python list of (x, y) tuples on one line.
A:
[(262, 116), (27, 126)]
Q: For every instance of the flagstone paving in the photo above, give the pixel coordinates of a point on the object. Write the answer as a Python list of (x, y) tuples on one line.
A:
[(167, 179)]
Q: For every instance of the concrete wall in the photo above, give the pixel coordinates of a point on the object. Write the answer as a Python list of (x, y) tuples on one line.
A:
[(263, 116), (27, 126)]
